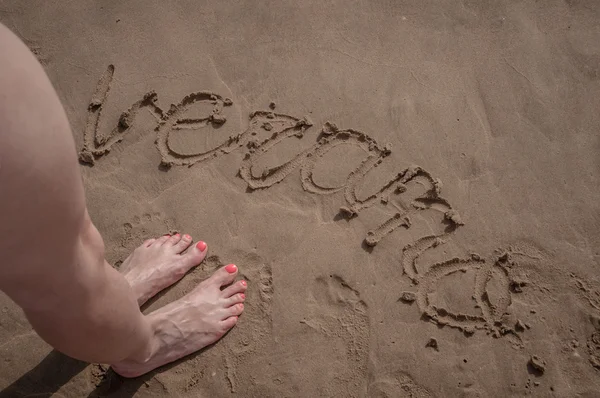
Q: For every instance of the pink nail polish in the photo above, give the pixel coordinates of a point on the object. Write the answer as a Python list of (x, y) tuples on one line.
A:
[(231, 268), (243, 283), (201, 246), (176, 235), (186, 236), (243, 296)]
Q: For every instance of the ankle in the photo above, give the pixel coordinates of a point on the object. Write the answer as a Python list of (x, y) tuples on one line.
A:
[(138, 289), (147, 349)]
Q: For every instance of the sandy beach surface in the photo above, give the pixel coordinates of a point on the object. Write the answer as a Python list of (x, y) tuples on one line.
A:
[(411, 189)]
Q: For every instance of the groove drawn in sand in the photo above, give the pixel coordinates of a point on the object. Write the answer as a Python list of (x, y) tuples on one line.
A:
[(492, 311), (593, 345), (330, 138), (97, 144), (277, 128)]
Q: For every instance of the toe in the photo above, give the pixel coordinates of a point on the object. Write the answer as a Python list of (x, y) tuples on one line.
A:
[(195, 255), (238, 287), (183, 243), (228, 323), (148, 242), (234, 310), (224, 276), (173, 240), (235, 299), (161, 241)]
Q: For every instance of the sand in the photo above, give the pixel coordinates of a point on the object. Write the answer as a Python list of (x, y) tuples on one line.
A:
[(410, 188)]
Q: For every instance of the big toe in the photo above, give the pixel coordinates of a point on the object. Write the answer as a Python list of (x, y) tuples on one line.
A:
[(195, 254), (224, 276)]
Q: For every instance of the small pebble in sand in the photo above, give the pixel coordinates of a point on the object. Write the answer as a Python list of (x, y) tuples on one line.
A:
[(538, 364), (408, 297)]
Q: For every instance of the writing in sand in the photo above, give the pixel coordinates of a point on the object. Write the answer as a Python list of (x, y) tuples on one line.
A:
[(283, 127)]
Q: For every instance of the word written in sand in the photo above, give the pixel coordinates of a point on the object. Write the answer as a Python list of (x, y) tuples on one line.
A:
[(501, 272), (281, 127)]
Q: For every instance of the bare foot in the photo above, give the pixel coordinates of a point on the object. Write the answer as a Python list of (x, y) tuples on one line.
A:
[(158, 263), (193, 322)]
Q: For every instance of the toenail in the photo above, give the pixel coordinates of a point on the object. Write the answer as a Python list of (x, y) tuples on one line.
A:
[(243, 296), (241, 306), (201, 246), (231, 268), (186, 236), (176, 235), (243, 283)]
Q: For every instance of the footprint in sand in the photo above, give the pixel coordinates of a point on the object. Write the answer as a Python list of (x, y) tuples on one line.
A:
[(142, 227), (339, 316), (589, 293), (396, 385), (253, 333), (588, 290)]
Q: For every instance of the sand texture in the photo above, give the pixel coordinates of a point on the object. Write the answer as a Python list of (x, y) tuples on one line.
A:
[(411, 189)]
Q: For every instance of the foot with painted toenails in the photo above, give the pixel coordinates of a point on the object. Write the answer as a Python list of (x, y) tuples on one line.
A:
[(191, 323)]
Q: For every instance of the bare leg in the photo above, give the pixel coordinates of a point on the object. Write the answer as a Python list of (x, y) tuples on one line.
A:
[(73, 298)]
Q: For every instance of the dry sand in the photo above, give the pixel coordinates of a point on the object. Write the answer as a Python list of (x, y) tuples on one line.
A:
[(411, 188)]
